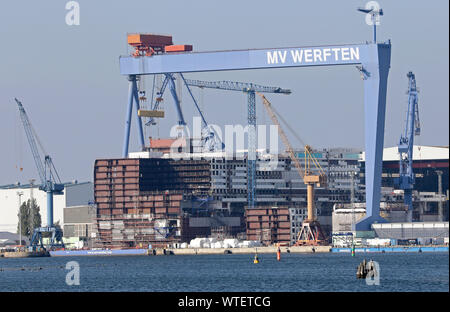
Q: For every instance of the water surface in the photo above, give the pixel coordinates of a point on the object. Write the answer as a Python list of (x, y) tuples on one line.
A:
[(329, 272)]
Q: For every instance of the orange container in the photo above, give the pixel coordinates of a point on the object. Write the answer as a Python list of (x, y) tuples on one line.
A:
[(178, 48)]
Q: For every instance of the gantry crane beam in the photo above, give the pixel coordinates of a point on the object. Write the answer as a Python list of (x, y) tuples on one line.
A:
[(373, 60)]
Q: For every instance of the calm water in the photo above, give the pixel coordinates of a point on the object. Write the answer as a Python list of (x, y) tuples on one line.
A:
[(216, 273)]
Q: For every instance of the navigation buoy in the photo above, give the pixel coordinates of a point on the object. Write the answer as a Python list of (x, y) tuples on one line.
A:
[(256, 260), (353, 250), (278, 254)]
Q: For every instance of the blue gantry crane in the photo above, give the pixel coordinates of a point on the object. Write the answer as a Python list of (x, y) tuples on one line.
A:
[(250, 89), (373, 59), (50, 183), (406, 145)]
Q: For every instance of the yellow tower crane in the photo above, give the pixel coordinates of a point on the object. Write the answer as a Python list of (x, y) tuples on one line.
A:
[(311, 232)]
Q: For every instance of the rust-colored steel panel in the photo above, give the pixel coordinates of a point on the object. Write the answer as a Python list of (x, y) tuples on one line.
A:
[(130, 205), (284, 225), (100, 175), (255, 212), (104, 212), (173, 210), (101, 187), (102, 193), (128, 161), (254, 225), (131, 174), (101, 163), (147, 204), (131, 180)]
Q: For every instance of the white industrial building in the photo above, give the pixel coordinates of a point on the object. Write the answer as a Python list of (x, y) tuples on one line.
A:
[(75, 194), (420, 152)]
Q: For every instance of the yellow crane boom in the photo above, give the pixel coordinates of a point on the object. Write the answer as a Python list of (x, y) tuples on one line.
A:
[(311, 233), (283, 136)]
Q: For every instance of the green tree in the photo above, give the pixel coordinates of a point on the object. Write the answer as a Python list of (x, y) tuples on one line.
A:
[(24, 215), (29, 218), (34, 216)]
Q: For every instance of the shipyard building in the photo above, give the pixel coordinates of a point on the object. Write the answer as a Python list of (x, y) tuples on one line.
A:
[(151, 199)]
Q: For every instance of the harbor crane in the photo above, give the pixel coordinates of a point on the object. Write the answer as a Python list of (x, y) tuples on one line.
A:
[(250, 89), (406, 144), (311, 232), (50, 183)]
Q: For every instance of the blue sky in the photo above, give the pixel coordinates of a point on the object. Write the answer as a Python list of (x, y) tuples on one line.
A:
[(68, 76)]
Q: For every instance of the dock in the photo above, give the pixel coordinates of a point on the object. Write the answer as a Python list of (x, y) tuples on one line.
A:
[(260, 250)]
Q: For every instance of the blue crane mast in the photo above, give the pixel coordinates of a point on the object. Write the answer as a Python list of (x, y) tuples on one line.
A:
[(406, 145), (250, 89), (50, 182)]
